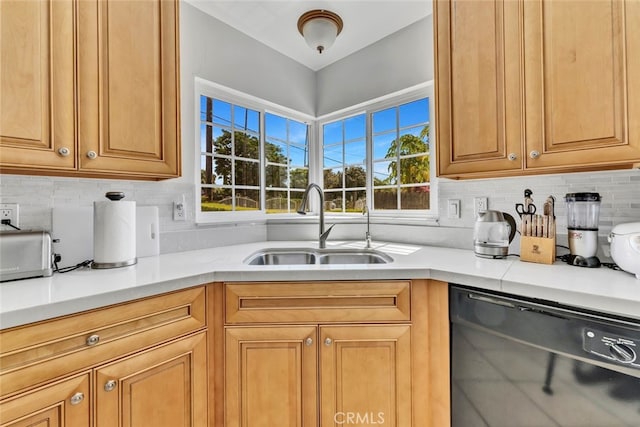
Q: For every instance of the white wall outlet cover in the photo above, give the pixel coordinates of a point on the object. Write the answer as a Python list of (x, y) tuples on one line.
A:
[(480, 204)]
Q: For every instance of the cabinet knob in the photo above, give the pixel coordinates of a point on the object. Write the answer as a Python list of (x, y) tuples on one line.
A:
[(308, 341), (92, 155), (110, 385), (64, 151), (328, 341), (534, 154), (93, 339), (512, 156), (76, 398)]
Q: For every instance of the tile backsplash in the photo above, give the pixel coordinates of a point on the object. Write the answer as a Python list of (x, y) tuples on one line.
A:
[(37, 196)]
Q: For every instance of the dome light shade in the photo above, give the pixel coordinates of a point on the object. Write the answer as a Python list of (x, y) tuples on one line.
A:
[(319, 28)]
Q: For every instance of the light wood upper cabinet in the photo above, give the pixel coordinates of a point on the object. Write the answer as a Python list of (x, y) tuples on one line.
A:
[(90, 88), (478, 94), (37, 75), (540, 86), (128, 87)]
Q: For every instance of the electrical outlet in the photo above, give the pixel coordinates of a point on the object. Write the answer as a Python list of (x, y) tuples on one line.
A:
[(9, 211), (179, 211), (480, 205)]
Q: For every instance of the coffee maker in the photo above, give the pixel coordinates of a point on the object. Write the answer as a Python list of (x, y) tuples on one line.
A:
[(583, 212)]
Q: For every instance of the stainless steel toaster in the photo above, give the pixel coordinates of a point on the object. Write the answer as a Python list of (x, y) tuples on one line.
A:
[(25, 253)]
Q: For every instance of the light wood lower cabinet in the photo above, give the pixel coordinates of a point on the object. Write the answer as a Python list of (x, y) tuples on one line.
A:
[(135, 364), (295, 368), (61, 404), (162, 387)]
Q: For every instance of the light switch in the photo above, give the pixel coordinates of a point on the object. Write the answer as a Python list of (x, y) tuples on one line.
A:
[(454, 208)]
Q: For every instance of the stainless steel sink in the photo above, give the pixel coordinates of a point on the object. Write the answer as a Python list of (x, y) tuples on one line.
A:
[(309, 256)]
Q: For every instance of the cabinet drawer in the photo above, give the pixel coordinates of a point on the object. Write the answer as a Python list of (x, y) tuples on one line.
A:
[(275, 302), (40, 352)]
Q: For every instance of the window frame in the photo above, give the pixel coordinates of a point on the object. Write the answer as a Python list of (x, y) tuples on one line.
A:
[(425, 90), (222, 93)]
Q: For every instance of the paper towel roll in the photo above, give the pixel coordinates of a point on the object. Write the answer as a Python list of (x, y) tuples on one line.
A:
[(114, 234)]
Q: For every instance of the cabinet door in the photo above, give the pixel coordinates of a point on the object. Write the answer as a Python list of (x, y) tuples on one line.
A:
[(365, 375), (270, 376), (582, 81), (62, 404), (37, 124), (479, 88), (162, 387), (128, 87)]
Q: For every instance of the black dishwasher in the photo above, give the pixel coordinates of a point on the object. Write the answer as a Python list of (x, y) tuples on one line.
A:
[(518, 362)]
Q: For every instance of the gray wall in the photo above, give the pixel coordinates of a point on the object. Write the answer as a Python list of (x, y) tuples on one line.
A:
[(399, 61)]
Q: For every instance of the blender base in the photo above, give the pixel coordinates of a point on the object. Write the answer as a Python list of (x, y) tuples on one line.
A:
[(580, 261)]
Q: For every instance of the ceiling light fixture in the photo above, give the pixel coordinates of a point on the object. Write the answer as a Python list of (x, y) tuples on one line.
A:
[(319, 28)]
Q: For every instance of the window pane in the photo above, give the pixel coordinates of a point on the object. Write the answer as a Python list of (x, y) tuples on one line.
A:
[(247, 173), (355, 176), (299, 155), (354, 127), (355, 200), (383, 120), (247, 146), (221, 141), (333, 178), (276, 152), (275, 126), (246, 119), (278, 202), (298, 132), (299, 178), (384, 173), (355, 153), (332, 156), (386, 198), (221, 113), (333, 201), (276, 176), (215, 170), (206, 108), (414, 198), (414, 170), (382, 146), (216, 199), (247, 200), (332, 133), (414, 112)]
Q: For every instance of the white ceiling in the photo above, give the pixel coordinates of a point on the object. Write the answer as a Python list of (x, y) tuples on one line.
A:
[(274, 23)]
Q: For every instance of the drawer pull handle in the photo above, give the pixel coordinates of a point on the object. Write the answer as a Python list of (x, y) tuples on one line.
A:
[(513, 156), (534, 154), (92, 155), (110, 385), (76, 398), (64, 151), (93, 340), (328, 341), (308, 342)]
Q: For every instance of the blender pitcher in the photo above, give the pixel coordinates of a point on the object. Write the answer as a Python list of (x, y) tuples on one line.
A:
[(583, 212)]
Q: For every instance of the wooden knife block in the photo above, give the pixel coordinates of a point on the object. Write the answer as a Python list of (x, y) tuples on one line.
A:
[(538, 249)]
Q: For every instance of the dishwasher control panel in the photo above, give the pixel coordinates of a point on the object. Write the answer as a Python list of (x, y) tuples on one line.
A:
[(614, 348)]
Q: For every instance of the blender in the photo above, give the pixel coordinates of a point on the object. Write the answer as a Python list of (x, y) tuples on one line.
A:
[(583, 211)]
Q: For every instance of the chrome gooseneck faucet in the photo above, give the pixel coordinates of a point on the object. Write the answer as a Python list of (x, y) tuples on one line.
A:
[(322, 239), (367, 236)]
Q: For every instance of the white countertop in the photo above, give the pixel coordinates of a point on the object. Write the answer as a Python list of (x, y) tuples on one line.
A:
[(603, 289)]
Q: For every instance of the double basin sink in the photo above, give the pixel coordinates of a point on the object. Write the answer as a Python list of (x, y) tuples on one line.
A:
[(310, 256)]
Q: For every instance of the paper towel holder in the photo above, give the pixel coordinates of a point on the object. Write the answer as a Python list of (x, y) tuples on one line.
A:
[(98, 262)]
